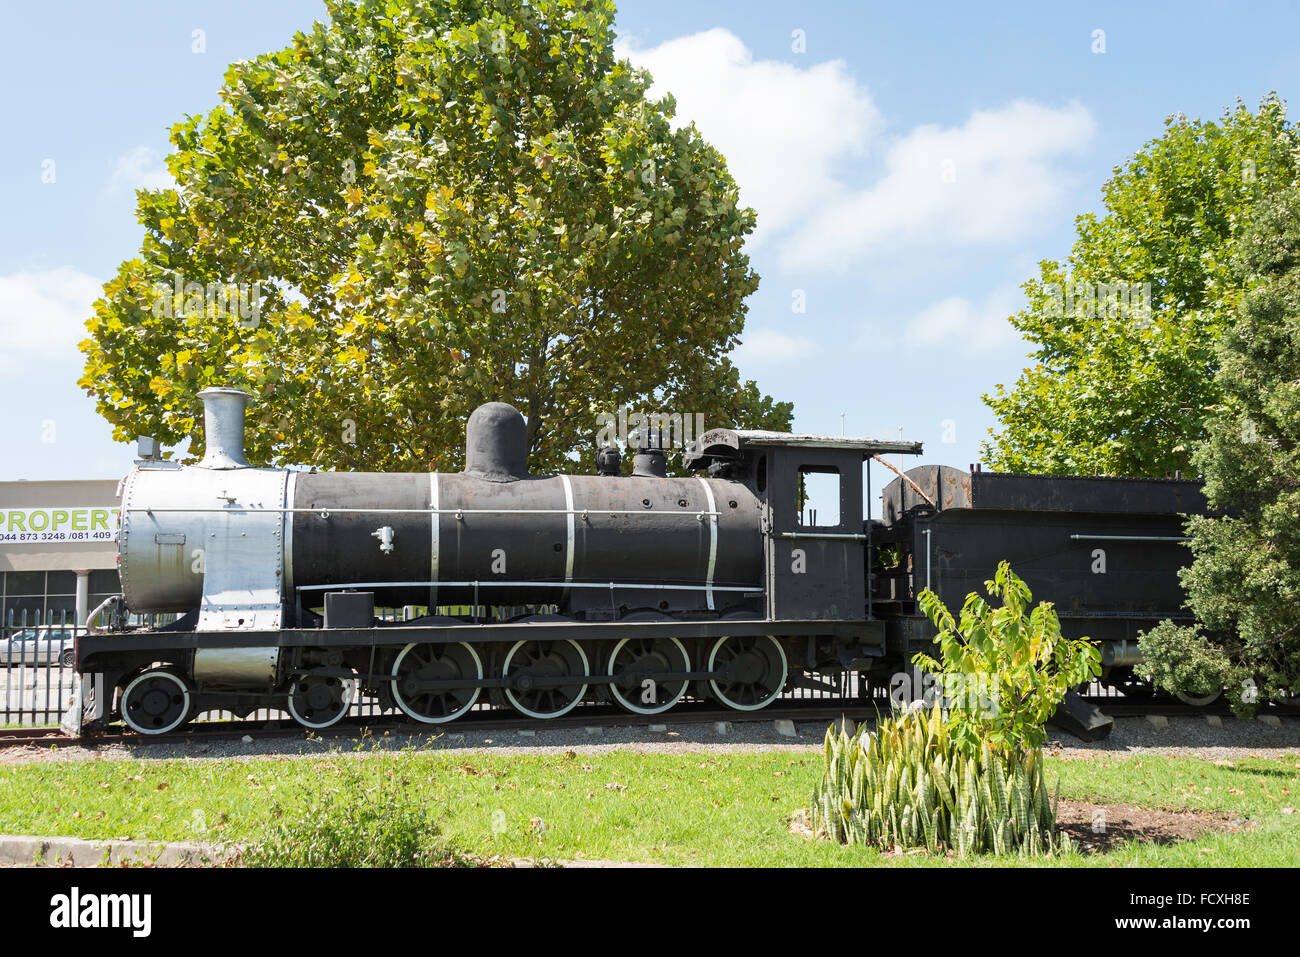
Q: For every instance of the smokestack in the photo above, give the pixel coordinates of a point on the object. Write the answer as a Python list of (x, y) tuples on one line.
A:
[(223, 428)]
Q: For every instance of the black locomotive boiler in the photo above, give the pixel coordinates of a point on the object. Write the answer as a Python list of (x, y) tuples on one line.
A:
[(539, 592)]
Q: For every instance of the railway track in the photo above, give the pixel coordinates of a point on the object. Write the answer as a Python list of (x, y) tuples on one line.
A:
[(504, 720), (33, 737), (594, 716)]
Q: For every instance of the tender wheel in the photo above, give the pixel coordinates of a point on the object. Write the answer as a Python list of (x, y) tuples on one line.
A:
[(1133, 687), (753, 671), (534, 671), (318, 701), (640, 660), (417, 665), (156, 702), (1198, 700)]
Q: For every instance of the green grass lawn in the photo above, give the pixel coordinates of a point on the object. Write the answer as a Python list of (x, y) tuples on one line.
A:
[(694, 809)]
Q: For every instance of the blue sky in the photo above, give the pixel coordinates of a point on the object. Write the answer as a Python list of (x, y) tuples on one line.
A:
[(909, 166)]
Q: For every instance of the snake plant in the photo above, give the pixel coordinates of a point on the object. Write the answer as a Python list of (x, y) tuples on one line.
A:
[(909, 784)]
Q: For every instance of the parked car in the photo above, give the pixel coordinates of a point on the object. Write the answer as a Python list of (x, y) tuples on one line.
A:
[(41, 645)]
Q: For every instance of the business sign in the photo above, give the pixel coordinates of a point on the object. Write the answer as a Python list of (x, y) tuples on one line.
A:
[(63, 523)]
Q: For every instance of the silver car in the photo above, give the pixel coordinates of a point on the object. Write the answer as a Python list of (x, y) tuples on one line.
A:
[(38, 646)]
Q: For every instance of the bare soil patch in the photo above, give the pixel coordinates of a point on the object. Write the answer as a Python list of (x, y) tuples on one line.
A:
[(1097, 828)]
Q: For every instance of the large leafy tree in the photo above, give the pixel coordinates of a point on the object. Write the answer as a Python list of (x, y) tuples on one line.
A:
[(444, 202), (1126, 391), (1244, 584)]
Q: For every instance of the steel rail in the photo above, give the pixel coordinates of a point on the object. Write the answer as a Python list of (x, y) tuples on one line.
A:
[(505, 719)]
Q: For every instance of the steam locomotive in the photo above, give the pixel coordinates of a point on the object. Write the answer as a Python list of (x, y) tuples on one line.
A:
[(537, 592)]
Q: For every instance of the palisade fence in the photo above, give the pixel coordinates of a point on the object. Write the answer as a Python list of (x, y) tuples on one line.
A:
[(38, 681), (37, 675)]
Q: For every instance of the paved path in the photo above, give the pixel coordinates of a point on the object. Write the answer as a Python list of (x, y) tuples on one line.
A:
[(23, 851)]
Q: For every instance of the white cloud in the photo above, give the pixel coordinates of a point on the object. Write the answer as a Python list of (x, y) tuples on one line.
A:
[(997, 177), (780, 127), (767, 345), (141, 168), (43, 315), (796, 139), (958, 323)]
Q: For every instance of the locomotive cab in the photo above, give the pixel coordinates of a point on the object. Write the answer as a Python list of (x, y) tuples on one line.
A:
[(813, 564)]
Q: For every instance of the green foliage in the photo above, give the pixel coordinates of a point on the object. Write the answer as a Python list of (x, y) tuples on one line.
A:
[(353, 823), (967, 774), (1178, 658), (1004, 670), (1244, 582), (1129, 394), (914, 783), (445, 202), (890, 555)]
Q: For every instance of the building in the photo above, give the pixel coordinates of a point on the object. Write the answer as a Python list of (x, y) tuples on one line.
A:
[(58, 549)]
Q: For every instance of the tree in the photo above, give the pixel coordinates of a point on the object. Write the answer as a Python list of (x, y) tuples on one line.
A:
[(1244, 582), (1125, 330), (418, 207)]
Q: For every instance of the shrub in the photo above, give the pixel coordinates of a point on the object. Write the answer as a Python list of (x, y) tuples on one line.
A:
[(1243, 584), (1180, 659), (362, 820), (966, 772), (1004, 670)]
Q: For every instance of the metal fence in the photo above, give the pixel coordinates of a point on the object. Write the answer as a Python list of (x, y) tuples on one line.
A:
[(37, 677)]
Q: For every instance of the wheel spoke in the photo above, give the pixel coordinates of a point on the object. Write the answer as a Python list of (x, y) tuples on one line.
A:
[(416, 664), (641, 658), (529, 661), (753, 670)]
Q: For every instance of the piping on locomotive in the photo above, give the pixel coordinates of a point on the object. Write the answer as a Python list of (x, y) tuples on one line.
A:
[(643, 590)]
